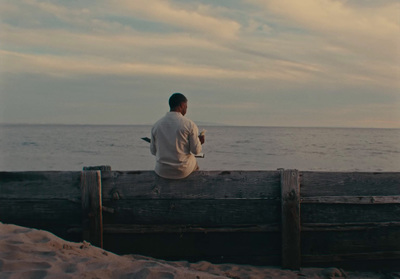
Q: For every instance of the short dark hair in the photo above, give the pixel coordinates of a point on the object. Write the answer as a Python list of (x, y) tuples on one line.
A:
[(176, 99)]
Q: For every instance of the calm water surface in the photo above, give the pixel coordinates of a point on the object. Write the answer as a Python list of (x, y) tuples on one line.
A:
[(70, 147)]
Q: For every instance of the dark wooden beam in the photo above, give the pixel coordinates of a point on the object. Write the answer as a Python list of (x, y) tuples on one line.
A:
[(290, 191), (92, 216)]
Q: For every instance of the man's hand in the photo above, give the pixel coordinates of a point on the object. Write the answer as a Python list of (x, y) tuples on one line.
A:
[(202, 139), (202, 136)]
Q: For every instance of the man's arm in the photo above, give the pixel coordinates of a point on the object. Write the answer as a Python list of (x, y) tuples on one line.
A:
[(153, 148), (194, 140)]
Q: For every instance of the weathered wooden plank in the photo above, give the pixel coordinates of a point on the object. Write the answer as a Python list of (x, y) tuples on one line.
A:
[(214, 247), (219, 215), (225, 228), (56, 216), (350, 184), (291, 253), (357, 241), (305, 227), (199, 185), (92, 215), (209, 212), (40, 212), (349, 213), (40, 185), (352, 199), (47, 200), (371, 256)]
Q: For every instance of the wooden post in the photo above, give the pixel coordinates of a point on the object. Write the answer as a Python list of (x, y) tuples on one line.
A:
[(92, 216), (290, 193)]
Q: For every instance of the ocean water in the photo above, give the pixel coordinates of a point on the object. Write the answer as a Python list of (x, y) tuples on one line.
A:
[(71, 147)]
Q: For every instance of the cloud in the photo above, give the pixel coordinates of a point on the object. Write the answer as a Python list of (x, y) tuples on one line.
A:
[(116, 45), (345, 40), (335, 15), (286, 53), (254, 51), (341, 22), (96, 43), (190, 20), (75, 66)]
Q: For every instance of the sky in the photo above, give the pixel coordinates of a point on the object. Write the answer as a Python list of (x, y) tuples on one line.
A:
[(309, 63)]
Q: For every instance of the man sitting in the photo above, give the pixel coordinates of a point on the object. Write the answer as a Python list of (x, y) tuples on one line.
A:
[(175, 140)]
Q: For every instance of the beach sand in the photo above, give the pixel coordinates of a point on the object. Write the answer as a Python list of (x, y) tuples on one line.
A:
[(31, 253)]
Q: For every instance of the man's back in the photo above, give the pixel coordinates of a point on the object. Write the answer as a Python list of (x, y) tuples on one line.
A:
[(174, 140)]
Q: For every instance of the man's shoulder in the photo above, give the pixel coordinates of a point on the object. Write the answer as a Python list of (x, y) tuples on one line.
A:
[(176, 118), (161, 120), (189, 123)]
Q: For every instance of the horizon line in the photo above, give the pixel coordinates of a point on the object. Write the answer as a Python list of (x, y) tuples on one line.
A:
[(198, 123)]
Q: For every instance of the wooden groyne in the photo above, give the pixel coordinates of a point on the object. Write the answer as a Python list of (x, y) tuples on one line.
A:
[(282, 217)]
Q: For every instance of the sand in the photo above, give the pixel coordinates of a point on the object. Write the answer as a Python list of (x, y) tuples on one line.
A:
[(31, 253)]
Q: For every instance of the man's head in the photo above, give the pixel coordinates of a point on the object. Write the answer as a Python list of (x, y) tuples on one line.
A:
[(178, 102)]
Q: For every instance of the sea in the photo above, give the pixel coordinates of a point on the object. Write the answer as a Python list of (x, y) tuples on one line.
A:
[(72, 147)]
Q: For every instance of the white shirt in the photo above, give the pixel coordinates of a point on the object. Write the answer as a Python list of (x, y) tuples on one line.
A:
[(174, 140)]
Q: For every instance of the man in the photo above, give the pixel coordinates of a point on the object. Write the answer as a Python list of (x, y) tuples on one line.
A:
[(175, 140)]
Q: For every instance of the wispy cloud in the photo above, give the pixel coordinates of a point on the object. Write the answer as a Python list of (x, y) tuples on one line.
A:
[(187, 20), (70, 66), (272, 50), (349, 38)]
